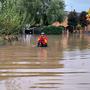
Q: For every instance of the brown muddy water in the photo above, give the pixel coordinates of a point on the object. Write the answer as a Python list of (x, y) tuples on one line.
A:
[(63, 65)]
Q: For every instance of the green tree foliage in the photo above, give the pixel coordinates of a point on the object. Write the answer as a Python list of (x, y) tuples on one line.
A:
[(73, 19), (43, 12), (10, 19), (55, 11), (83, 19), (16, 13)]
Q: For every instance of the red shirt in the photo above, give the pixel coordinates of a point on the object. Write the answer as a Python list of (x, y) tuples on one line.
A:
[(43, 39)]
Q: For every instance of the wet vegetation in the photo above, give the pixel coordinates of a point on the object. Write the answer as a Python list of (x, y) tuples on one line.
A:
[(16, 14), (53, 30)]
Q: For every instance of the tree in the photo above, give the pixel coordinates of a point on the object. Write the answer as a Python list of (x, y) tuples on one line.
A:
[(16, 13), (88, 16), (44, 12), (55, 11), (10, 19), (73, 19), (83, 19)]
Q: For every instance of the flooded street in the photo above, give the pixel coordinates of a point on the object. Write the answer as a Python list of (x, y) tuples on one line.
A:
[(63, 65)]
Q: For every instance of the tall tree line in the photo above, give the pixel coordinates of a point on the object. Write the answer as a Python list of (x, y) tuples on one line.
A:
[(77, 19)]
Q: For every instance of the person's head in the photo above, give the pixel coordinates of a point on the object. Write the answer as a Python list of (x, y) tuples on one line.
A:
[(42, 33)]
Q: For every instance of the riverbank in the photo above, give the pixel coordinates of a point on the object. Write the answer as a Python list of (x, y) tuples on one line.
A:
[(9, 37)]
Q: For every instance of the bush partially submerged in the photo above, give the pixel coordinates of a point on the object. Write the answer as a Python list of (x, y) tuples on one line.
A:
[(53, 30)]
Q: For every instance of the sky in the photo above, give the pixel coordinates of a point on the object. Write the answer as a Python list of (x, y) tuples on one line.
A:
[(78, 5)]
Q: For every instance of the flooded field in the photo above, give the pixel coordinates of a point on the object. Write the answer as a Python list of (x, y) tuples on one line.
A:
[(63, 65)]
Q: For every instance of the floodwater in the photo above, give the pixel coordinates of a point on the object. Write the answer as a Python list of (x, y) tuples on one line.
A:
[(63, 65)]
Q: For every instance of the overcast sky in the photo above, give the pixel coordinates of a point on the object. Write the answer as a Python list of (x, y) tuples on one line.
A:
[(78, 5)]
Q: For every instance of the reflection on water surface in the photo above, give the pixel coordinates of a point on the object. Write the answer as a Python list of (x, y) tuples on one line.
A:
[(63, 65)]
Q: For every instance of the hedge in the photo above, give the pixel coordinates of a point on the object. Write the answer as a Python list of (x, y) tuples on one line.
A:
[(53, 30)]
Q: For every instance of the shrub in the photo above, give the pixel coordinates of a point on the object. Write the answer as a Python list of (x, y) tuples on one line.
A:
[(79, 27), (2, 42), (9, 32), (53, 30)]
